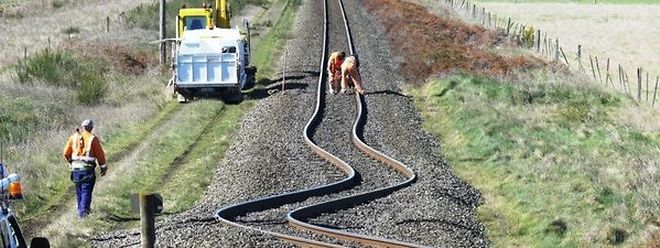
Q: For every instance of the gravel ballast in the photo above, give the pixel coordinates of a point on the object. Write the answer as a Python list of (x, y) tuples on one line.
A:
[(268, 157)]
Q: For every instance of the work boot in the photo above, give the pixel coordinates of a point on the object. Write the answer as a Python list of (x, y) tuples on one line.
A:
[(343, 91), (332, 91)]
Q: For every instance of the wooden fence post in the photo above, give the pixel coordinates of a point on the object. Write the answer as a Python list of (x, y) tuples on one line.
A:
[(538, 40), (600, 78), (107, 24), (508, 26), (655, 90), (564, 55), (556, 49), (623, 86), (639, 84), (608, 77), (593, 70), (647, 87)]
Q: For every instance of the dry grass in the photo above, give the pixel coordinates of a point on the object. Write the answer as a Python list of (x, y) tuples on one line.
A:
[(441, 44), (628, 34), (46, 23), (561, 163)]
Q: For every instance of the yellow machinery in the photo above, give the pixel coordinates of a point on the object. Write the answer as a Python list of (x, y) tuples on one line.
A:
[(206, 17)]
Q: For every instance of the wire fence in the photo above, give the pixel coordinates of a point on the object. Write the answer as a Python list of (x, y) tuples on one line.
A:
[(614, 76)]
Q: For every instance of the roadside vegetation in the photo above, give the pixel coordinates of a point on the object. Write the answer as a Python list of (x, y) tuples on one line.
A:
[(166, 154), (560, 162)]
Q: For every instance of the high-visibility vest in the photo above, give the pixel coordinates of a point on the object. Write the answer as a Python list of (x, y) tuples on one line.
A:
[(335, 62), (82, 151)]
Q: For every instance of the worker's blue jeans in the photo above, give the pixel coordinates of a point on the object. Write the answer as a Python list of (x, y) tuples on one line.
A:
[(84, 180)]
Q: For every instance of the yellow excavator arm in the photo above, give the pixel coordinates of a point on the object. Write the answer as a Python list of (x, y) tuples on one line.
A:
[(222, 13)]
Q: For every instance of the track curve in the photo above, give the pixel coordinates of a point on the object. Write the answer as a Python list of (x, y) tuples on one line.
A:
[(298, 217)]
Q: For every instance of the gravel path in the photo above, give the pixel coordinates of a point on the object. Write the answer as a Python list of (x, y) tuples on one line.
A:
[(269, 156)]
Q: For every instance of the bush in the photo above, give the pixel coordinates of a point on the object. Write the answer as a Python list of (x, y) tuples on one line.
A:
[(92, 89), (48, 66), (62, 69)]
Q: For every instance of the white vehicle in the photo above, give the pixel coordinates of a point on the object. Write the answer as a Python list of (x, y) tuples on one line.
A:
[(211, 59)]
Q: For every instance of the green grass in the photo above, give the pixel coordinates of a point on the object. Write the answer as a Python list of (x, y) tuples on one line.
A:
[(555, 166), (271, 44), (194, 173), (54, 190), (574, 1)]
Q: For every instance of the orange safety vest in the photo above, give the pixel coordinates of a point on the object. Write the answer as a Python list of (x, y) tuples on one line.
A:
[(84, 147), (334, 63)]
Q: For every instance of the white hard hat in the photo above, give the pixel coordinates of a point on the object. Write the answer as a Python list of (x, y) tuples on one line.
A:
[(88, 123)]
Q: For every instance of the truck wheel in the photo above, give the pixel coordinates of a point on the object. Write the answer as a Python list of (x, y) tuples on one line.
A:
[(251, 72)]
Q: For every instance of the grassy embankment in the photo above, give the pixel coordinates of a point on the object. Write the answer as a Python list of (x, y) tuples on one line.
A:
[(179, 163), (560, 163)]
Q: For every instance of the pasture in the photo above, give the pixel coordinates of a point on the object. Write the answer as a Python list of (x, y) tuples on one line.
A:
[(626, 32)]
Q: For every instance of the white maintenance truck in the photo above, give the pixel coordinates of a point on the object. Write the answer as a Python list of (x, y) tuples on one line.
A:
[(209, 58)]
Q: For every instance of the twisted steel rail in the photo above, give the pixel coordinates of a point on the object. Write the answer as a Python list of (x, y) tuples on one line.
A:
[(298, 218)]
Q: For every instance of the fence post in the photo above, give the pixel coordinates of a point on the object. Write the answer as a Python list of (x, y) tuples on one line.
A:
[(163, 51), (639, 84), (647, 87), (508, 26), (556, 49), (284, 71), (107, 24), (623, 87), (608, 77), (600, 78), (593, 71), (655, 90), (147, 220), (564, 55), (538, 40)]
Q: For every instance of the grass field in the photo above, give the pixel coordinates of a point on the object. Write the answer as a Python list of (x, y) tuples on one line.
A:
[(560, 162), (627, 33), (557, 164)]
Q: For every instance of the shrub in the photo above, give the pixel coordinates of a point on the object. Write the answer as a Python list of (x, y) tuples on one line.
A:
[(48, 66), (62, 69), (71, 30), (92, 89)]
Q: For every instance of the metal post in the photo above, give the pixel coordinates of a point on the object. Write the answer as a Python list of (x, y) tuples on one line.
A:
[(163, 52), (147, 220), (107, 24), (284, 71)]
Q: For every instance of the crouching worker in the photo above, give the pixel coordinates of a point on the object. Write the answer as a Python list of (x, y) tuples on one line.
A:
[(350, 75), (334, 70), (83, 151)]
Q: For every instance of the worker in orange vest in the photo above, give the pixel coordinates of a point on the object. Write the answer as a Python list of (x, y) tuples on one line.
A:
[(334, 71), (350, 75), (83, 151)]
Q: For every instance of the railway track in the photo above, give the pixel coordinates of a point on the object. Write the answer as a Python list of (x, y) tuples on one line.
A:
[(299, 217)]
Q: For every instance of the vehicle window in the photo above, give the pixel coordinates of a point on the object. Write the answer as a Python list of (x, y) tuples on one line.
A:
[(230, 49), (195, 22)]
